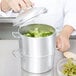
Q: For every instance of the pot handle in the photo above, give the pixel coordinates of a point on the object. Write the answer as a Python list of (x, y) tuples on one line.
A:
[(16, 35), (16, 53)]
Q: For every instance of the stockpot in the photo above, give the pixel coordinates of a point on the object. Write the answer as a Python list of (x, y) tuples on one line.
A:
[(37, 54)]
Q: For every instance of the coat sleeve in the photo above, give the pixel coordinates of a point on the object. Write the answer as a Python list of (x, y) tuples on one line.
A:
[(70, 13)]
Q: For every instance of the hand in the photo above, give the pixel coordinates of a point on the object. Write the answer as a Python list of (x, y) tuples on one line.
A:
[(15, 5), (62, 42)]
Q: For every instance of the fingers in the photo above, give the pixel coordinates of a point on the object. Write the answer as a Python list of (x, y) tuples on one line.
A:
[(28, 3), (4, 6), (62, 43), (58, 43), (16, 5), (64, 47), (22, 5)]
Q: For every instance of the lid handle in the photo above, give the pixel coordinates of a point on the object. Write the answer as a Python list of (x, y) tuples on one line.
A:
[(30, 14)]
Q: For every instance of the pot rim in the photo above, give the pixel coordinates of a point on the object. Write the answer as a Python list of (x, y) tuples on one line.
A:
[(54, 33)]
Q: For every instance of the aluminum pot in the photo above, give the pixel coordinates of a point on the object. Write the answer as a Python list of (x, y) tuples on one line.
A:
[(37, 53)]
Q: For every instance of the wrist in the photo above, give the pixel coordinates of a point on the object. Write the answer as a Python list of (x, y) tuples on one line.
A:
[(67, 30)]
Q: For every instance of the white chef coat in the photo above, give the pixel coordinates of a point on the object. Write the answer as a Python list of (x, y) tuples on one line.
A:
[(60, 12)]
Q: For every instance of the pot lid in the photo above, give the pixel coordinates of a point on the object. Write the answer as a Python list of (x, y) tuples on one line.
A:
[(30, 14)]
